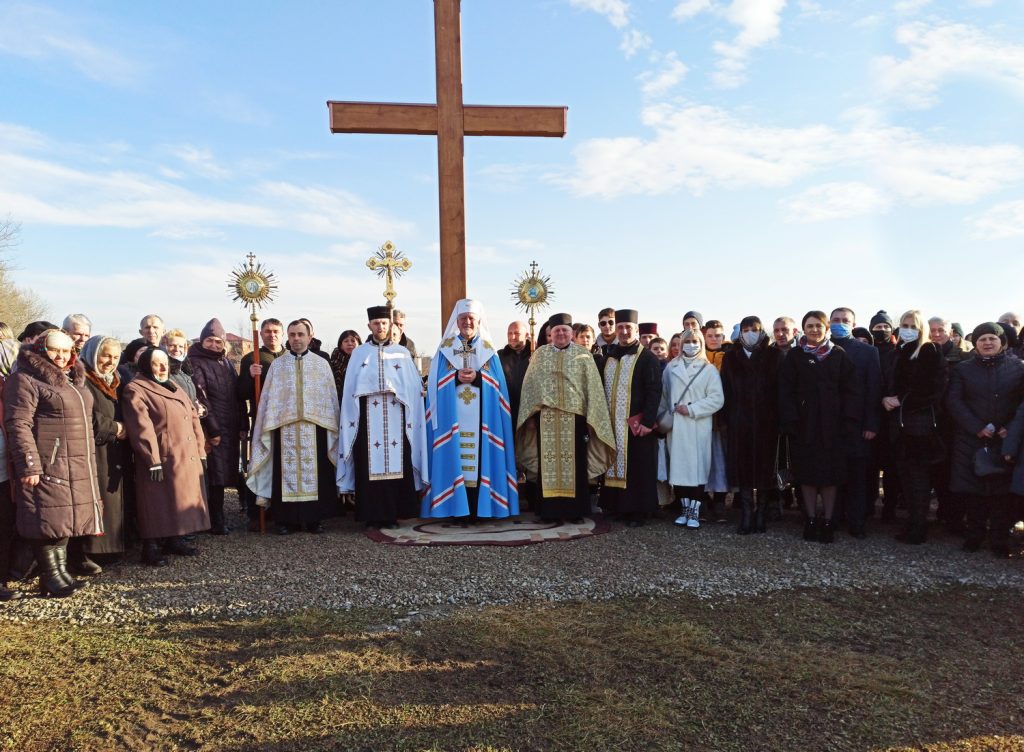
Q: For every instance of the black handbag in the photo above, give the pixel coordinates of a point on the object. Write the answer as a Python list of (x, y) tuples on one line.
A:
[(988, 463)]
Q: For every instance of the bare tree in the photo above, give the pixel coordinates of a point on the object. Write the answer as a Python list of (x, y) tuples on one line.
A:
[(18, 306)]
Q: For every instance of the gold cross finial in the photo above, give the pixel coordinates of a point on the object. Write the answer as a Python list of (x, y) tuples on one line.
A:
[(389, 263)]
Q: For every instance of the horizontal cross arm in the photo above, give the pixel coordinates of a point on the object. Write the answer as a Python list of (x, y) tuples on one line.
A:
[(421, 119)]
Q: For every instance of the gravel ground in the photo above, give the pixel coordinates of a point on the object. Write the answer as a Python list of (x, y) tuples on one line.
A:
[(247, 574)]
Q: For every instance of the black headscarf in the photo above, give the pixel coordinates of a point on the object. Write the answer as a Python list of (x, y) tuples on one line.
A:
[(144, 368)]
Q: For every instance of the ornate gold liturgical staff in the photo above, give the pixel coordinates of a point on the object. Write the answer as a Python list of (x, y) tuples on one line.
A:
[(389, 263), (254, 285), (531, 291)]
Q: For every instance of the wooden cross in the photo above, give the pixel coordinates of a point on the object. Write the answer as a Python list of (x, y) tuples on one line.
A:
[(449, 120)]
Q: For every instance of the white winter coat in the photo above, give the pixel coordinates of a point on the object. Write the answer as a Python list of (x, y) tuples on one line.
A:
[(689, 439)]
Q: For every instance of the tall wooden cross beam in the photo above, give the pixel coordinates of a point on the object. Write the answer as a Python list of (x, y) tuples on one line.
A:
[(449, 120)]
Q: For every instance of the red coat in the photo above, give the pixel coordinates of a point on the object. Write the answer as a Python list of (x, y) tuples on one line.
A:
[(164, 429)]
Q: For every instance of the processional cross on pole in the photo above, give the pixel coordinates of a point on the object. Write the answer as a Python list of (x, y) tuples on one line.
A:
[(449, 120)]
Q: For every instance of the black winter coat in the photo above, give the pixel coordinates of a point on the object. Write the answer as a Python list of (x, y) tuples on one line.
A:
[(869, 402), (110, 467), (981, 392), (920, 385), (820, 410), (514, 365), (750, 417), (217, 384)]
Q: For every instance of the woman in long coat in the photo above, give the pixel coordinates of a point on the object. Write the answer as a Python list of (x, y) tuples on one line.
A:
[(165, 434), (984, 394), (100, 356), (914, 401), (217, 383), (48, 418), (750, 381), (691, 394), (819, 411)]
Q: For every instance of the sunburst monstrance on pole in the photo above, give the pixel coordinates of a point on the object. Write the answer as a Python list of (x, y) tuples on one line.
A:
[(254, 285), (531, 291)]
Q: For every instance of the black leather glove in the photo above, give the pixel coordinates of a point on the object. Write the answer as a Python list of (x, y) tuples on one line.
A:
[(156, 474)]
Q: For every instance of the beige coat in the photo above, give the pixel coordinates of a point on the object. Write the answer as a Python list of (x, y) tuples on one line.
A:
[(164, 429)]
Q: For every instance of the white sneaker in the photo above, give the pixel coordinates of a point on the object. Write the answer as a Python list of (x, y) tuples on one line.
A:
[(694, 521), (684, 518)]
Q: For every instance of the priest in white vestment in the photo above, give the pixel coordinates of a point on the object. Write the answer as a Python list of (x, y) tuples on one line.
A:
[(295, 438), (382, 452)]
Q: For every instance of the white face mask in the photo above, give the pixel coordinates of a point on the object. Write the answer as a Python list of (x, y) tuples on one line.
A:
[(690, 349), (750, 338), (907, 334)]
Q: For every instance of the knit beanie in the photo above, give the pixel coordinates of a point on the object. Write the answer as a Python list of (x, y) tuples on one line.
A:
[(695, 315), (989, 327), (882, 318), (212, 329)]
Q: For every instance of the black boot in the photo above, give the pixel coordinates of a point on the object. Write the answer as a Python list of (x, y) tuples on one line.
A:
[(759, 523), (51, 583), (826, 532), (811, 529), (215, 499), (179, 547), (62, 567), (746, 516), (6, 594), (152, 555), (79, 562)]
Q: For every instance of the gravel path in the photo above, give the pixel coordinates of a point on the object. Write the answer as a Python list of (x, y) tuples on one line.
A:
[(246, 574)]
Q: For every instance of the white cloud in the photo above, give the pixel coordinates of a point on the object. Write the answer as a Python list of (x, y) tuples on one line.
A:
[(616, 11), (759, 22), (1005, 220), (835, 201), (670, 72), (687, 9), (38, 33), (200, 161), (696, 147), (941, 52), (46, 192), (634, 40), (19, 137), (908, 7)]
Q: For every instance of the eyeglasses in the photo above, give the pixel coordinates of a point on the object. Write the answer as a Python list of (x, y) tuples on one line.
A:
[(607, 322)]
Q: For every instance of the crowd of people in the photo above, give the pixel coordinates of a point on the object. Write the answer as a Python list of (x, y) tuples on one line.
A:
[(106, 446)]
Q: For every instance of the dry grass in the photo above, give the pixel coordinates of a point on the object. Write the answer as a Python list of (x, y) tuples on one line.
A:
[(790, 671)]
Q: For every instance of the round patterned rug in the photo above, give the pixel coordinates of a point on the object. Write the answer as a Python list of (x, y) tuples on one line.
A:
[(523, 530)]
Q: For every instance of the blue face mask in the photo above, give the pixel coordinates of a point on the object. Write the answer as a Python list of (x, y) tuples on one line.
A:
[(840, 331)]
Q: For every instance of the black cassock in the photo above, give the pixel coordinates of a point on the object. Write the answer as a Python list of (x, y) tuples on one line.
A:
[(559, 507), (639, 498), (383, 500), (299, 513)]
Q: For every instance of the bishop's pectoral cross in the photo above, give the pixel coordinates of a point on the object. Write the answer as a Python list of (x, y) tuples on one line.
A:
[(450, 120), (466, 352)]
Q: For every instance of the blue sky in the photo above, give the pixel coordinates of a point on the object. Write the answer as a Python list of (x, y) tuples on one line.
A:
[(729, 156)]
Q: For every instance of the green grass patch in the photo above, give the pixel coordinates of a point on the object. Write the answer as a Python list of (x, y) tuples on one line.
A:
[(804, 670)]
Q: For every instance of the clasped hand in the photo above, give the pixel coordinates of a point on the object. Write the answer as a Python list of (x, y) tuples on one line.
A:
[(467, 375)]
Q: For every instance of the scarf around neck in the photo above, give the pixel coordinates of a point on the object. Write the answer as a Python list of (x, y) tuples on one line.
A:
[(819, 352)]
